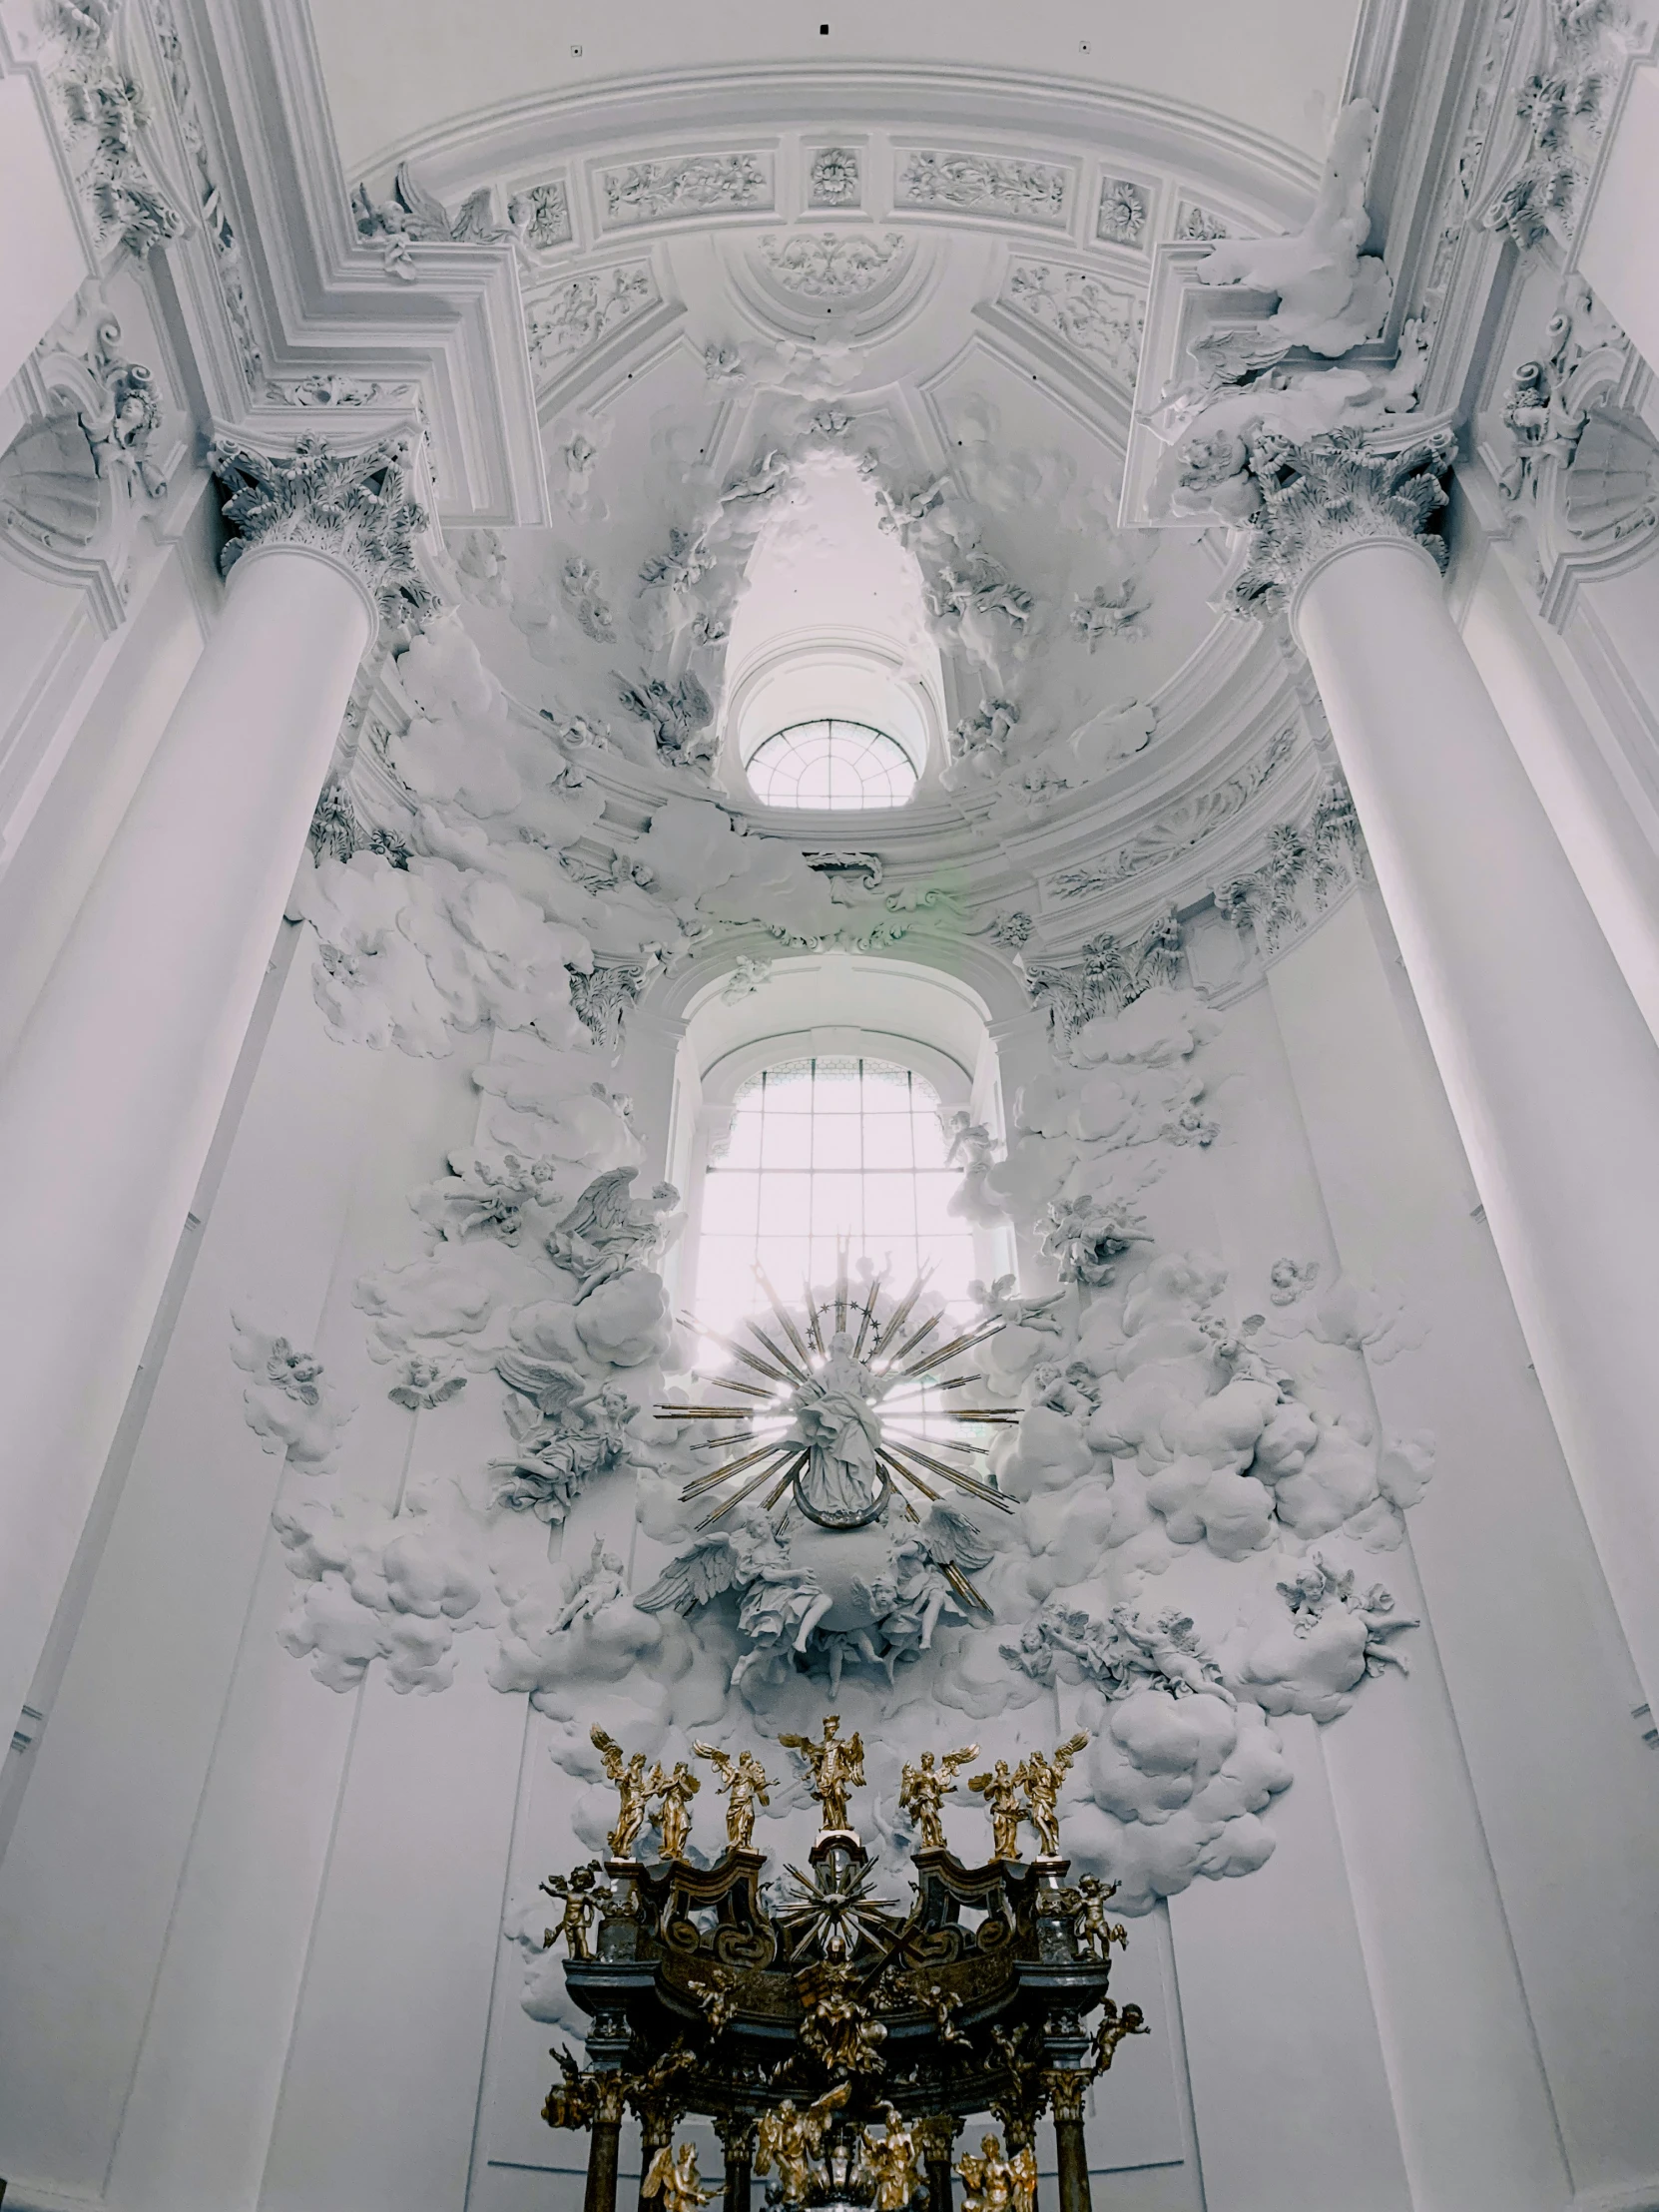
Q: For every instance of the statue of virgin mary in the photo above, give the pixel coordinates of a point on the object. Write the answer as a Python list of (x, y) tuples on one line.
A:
[(836, 1421)]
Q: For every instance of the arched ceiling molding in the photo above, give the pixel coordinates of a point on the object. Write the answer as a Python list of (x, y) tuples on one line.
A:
[(979, 106), (947, 996)]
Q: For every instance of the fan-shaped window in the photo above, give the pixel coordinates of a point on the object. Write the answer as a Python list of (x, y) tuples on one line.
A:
[(831, 764), (825, 1152)]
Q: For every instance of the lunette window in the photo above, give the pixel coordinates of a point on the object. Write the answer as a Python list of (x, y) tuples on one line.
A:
[(830, 763)]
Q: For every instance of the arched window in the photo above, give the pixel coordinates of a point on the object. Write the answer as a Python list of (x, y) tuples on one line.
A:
[(830, 763), (825, 1150)]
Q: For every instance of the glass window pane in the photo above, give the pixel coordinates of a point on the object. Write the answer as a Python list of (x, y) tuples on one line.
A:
[(788, 1142), (731, 1204), (888, 1141), (836, 1141)]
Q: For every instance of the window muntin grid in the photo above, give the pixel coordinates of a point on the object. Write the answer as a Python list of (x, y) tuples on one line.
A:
[(832, 765), (822, 1149)]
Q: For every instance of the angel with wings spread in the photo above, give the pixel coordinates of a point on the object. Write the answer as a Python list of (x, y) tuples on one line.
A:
[(579, 1430), (633, 1789), (925, 1574), (673, 2176), (792, 2139), (923, 1789), (608, 1230), (745, 1783), (781, 1602), (1041, 1780)]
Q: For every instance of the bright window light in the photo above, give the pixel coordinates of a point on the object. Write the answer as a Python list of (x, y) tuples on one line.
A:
[(832, 765), (824, 1150)]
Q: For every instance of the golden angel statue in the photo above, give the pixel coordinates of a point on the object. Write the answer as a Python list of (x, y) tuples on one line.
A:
[(745, 1783), (837, 1768), (632, 1788), (988, 2180), (890, 2163), (922, 1789), (1001, 1791), (790, 2139), (1041, 1778), (671, 1796), (673, 2177)]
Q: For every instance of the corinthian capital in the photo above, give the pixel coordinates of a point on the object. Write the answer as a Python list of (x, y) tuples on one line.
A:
[(1311, 499), (354, 506)]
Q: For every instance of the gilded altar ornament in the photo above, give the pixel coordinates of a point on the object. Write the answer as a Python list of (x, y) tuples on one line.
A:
[(889, 2163), (744, 1782), (577, 1892), (923, 1788), (670, 1797), (987, 2178), (632, 1789), (1116, 2022), (1022, 2177), (1043, 1779), (791, 2141), (673, 2177), (1001, 1790), (1095, 1933), (837, 1768)]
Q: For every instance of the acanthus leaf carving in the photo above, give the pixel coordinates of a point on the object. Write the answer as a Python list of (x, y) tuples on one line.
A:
[(357, 506), (105, 110), (685, 184), (985, 184), (1180, 827), (1086, 313), (831, 265), (570, 320)]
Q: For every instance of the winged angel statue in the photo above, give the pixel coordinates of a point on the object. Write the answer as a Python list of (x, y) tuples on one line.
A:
[(609, 1231), (801, 1594)]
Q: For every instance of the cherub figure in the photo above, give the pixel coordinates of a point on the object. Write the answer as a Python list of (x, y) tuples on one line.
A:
[(891, 2164), (1072, 1389), (837, 1768), (1001, 1301), (673, 2177), (1094, 1932), (745, 1783), (923, 1788), (598, 1584), (633, 1791), (577, 1890), (671, 1796), (1001, 1790), (1041, 1778)]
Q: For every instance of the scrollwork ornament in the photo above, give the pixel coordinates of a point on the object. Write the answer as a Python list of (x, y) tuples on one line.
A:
[(355, 506), (1330, 493)]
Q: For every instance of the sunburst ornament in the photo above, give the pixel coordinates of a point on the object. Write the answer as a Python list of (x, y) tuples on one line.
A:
[(839, 1430)]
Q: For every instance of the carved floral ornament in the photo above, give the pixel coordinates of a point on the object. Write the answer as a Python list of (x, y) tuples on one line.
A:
[(355, 506), (1305, 502)]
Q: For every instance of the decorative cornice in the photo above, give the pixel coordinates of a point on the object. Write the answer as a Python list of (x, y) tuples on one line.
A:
[(354, 506), (1306, 502)]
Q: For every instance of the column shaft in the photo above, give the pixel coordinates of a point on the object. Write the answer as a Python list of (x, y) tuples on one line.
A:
[(1073, 2159), (1551, 1072), (109, 1104), (602, 2166)]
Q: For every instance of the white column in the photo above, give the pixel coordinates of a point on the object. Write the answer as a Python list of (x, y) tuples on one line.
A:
[(42, 258), (1616, 255), (109, 1104), (1551, 1072)]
